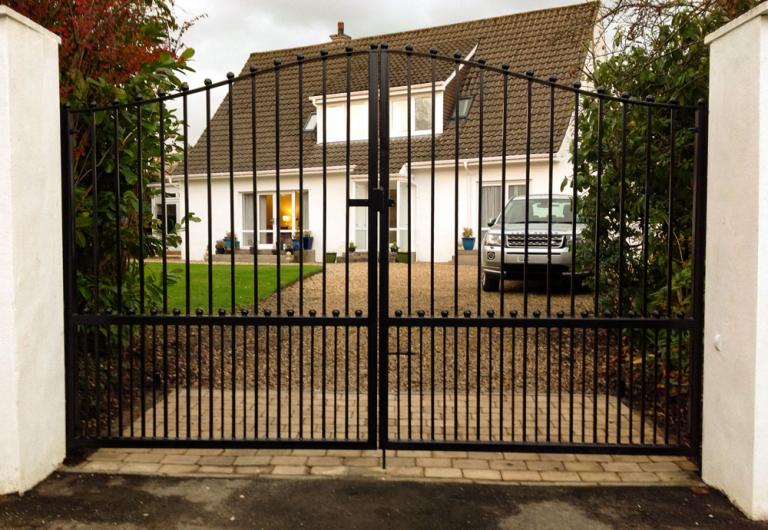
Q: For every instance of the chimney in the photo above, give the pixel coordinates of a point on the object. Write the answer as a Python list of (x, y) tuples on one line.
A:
[(340, 36)]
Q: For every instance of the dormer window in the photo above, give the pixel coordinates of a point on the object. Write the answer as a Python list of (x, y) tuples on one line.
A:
[(311, 125), (465, 102)]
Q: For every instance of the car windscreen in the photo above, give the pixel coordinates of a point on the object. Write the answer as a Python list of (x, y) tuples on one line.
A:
[(538, 210)]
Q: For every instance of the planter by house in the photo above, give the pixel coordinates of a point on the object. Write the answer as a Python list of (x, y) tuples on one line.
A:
[(330, 257), (403, 257), (467, 239)]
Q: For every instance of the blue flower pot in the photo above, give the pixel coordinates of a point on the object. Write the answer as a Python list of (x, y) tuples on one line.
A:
[(468, 243), (296, 245), (308, 242)]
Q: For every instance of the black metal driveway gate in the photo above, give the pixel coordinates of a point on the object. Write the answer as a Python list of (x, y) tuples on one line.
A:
[(402, 350)]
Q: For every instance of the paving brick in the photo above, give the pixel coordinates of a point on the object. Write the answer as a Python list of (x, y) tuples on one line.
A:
[(324, 461), (111, 456), (434, 462), (411, 454), (521, 456), (482, 455), (240, 452), (625, 467), (217, 460), (252, 470), (288, 460), (442, 472), (449, 454), (481, 474), (180, 459), (311, 452), (599, 476), (290, 470), (260, 460), (593, 467), (331, 471), (467, 463), (660, 466), (687, 465), (399, 461), (204, 452), (560, 476), (144, 458), (405, 471), (217, 469), (521, 476), (177, 469), (501, 465), (362, 461), (557, 457), (641, 477), (538, 465), (139, 467)]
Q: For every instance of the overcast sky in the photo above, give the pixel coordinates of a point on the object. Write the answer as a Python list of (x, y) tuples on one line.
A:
[(234, 28)]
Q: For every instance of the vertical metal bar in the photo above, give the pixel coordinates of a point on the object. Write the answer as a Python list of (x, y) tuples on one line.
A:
[(164, 243), (528, 116), (324, 56), (347, 160), (433, 69), (254, 197), (68, 247), (622, 197), (670, 206), (94, 208), (118, 266), (408, 74), (598, 179), (348, 129), (373, 157), (699, 242), (550, 167), (279, 241), (383, 243), (502, 215), (454, 239), (208, 190), (187, 279), (646, 200)]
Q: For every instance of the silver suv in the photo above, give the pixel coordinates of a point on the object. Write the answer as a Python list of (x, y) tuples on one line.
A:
[(538, 246)]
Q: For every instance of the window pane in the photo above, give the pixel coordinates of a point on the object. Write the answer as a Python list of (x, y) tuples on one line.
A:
[(490, 203), (398, 121), (423, 114), (402, 207), (393, 208), (516, 190), (247, 211)]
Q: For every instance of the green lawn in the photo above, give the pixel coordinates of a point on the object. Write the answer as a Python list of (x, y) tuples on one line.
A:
[(198, 276)]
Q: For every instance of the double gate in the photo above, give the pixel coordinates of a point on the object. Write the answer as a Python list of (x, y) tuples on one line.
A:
[(408, 349)]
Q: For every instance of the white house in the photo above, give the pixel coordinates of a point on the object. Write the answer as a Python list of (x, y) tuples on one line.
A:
[(549, 42)]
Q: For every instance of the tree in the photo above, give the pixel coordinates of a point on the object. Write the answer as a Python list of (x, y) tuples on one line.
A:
[(112, 52), (660, 52)]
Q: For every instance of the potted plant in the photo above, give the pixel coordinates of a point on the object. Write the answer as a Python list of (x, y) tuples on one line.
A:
[(403, 256), (393, 248), (308, 240), (231, 241), (467, 238), (330, 257), (351, 247), (221, 248), (296, 242)]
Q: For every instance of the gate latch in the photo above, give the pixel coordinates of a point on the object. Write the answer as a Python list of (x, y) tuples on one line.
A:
[(378, 200)]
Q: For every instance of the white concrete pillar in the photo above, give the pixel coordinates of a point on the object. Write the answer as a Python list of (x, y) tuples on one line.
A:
[(735, 413), (32, 433)]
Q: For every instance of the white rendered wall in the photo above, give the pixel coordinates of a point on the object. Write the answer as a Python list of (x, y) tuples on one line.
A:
[(735, 414), (32, 412)]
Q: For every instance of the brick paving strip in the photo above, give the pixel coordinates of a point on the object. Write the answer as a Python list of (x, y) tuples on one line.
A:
[(507, 468)]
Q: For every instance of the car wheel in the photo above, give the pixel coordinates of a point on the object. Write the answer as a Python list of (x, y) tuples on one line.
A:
[(490, 283)]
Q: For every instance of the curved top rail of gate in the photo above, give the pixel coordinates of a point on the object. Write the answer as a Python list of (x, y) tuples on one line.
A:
[(407, 50)]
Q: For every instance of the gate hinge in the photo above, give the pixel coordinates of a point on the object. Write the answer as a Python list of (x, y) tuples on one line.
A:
[(378, 201)]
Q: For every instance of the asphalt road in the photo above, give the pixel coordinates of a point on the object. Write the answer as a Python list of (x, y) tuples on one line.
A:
[(74, 501)]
